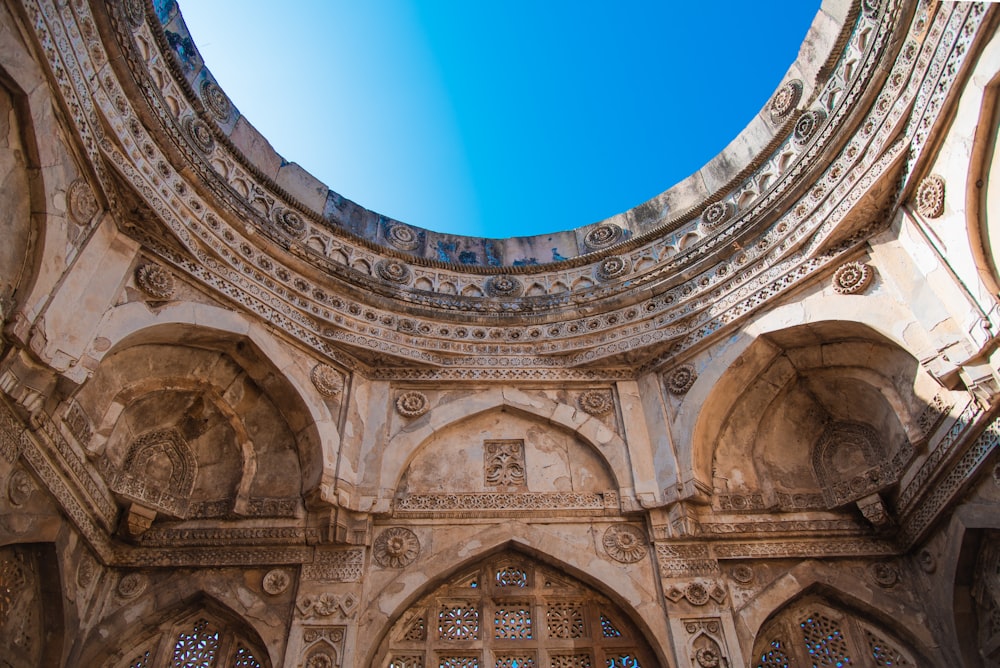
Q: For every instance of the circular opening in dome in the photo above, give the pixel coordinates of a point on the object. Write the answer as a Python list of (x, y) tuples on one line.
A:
[(498, 119)]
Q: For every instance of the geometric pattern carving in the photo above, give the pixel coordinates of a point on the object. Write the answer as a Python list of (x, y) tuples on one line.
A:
[(565, 620), (774, 656), (197, 648), (512, 621), (504, 465), (458, 622), (12, 583), (850, 461), (824, 641)]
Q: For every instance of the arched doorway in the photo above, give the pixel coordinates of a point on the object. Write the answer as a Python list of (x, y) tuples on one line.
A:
[(512, 612)]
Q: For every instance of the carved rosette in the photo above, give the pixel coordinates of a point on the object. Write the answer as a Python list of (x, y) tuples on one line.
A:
[(696, 593), (624, 543), (199, 133), (596, 402), (396, 547), (785, 99), (393, 271), (291, 222), (852, 278), (403, 237), (275, 581), (81, 202), (603, 236), (412, 404), (155, 281), (681, 379), (135, 12), (707, 657), (612, 267), (807, 125), (884, 574), (19, 487), (716, 214), (327, 380), (215, 100), (743, 574), (131, 585), (930, 197), (504, 286)]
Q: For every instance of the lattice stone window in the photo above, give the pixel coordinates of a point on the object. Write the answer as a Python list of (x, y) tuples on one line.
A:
[(511, 612), (812, 633), (193, 641)]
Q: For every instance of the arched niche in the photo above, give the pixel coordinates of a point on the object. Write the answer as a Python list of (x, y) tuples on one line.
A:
[(503, 451), (511, 610), (206, 428), (830, 413), (200, 633), (815, 630)]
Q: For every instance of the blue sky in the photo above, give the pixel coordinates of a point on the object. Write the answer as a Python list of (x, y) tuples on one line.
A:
[(498, 119)]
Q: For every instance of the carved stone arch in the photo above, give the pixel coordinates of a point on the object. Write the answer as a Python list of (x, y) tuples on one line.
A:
[(510, 602), (819, 580), (608, 446), (816, 629), (982, 192), (309, 416), (182, 623), (782, 398)]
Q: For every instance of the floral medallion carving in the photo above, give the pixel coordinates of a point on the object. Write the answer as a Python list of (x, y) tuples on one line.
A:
[(930, 197), (199, 133), (81, 202), (612, 267), (412, 404), (403, 237), (393, 271), (926, 561), (696, 593), (276, 581), (86, 570), (596, 402), (328, 381), (603, 236), (504, 286), (707, 657), (155, 281), (503, 463), (743, 574), (135, 12), (884, 574), (215, 100), (785, 99), (291, 222), (807, 125), (716, 214), (625, 543), (396, 547), (852, 278), (19, 487), (681, 379), (131, 585)]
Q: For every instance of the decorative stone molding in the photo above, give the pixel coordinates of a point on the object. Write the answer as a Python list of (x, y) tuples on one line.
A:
[(504, 286), (681, 379), (412, 404), (215, 100), (395, 547), (327, 604), (80, 202), (334, 565), (697, 593), (275, 581), (393, 271), (199, 133), (155, 281), (930, 196), (785, 100), (625, 543), (716, 214), (596, 402), (852, 278), (328, 381), (603, 236)]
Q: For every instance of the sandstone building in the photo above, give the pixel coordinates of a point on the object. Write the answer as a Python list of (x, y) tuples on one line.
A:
[(749, 423)]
